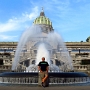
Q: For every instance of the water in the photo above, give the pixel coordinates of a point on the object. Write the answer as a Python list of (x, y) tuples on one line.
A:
[(27, 36), (52, 39), (42, 52)]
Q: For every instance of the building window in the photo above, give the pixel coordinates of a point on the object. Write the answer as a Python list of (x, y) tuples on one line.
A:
[(35, 51), (6, 56), (6, 67), (6, 61), (57, 62), (51, 61), (33, 62), (1, 61)]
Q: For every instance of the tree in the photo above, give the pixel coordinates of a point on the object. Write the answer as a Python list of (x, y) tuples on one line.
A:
[(88, 39)]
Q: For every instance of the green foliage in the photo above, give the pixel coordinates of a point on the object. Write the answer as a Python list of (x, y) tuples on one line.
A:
[(88, 39)]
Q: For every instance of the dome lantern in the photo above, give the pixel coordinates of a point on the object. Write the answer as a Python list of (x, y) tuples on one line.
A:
[(42, 12)]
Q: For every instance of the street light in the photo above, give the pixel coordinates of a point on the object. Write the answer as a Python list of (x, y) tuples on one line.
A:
[(79, 50), (4, 49)]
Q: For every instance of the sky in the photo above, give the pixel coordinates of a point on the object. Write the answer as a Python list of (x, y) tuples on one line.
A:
[(70, 18)]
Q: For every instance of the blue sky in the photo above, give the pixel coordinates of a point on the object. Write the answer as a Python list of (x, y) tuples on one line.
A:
[(70, 18)]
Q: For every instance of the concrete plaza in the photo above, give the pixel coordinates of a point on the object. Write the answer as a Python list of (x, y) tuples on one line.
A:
[(46, 88)]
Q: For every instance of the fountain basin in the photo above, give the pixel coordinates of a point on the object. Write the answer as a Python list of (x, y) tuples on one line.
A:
[(54, 78), (51, 74)]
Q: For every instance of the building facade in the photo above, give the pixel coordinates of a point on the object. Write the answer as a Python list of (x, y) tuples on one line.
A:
[(79, 51)]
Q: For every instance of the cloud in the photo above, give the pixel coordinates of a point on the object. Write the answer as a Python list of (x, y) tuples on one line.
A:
[(6, 37), (9, 26), (65, 15), (17, 23), (32, 15), (68, 15)]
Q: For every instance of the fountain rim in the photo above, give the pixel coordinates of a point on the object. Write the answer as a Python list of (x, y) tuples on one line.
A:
[(51, 74)]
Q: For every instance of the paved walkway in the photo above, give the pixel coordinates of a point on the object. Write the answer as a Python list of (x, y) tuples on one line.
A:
[(47, 88)]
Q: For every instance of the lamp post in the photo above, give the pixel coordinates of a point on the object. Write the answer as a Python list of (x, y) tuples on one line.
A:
[(28, 61), (79, 50), (4, 50)]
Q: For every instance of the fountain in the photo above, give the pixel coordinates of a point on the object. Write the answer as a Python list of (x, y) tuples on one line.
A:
[(57, 74), (51, 40), (46, 43)]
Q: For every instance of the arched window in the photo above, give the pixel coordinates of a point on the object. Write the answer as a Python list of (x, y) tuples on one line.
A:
[(57, 62), (35, 51), (33, 62)]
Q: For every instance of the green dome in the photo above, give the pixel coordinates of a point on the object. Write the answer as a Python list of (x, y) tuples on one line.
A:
[(42, 20)]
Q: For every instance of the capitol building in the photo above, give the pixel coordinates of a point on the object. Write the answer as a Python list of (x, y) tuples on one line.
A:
[(78, 51)]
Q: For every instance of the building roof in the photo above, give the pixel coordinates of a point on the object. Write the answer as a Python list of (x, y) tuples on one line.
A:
[(42, 19)]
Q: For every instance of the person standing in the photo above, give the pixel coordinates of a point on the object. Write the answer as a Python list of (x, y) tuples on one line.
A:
[(43, 68)]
